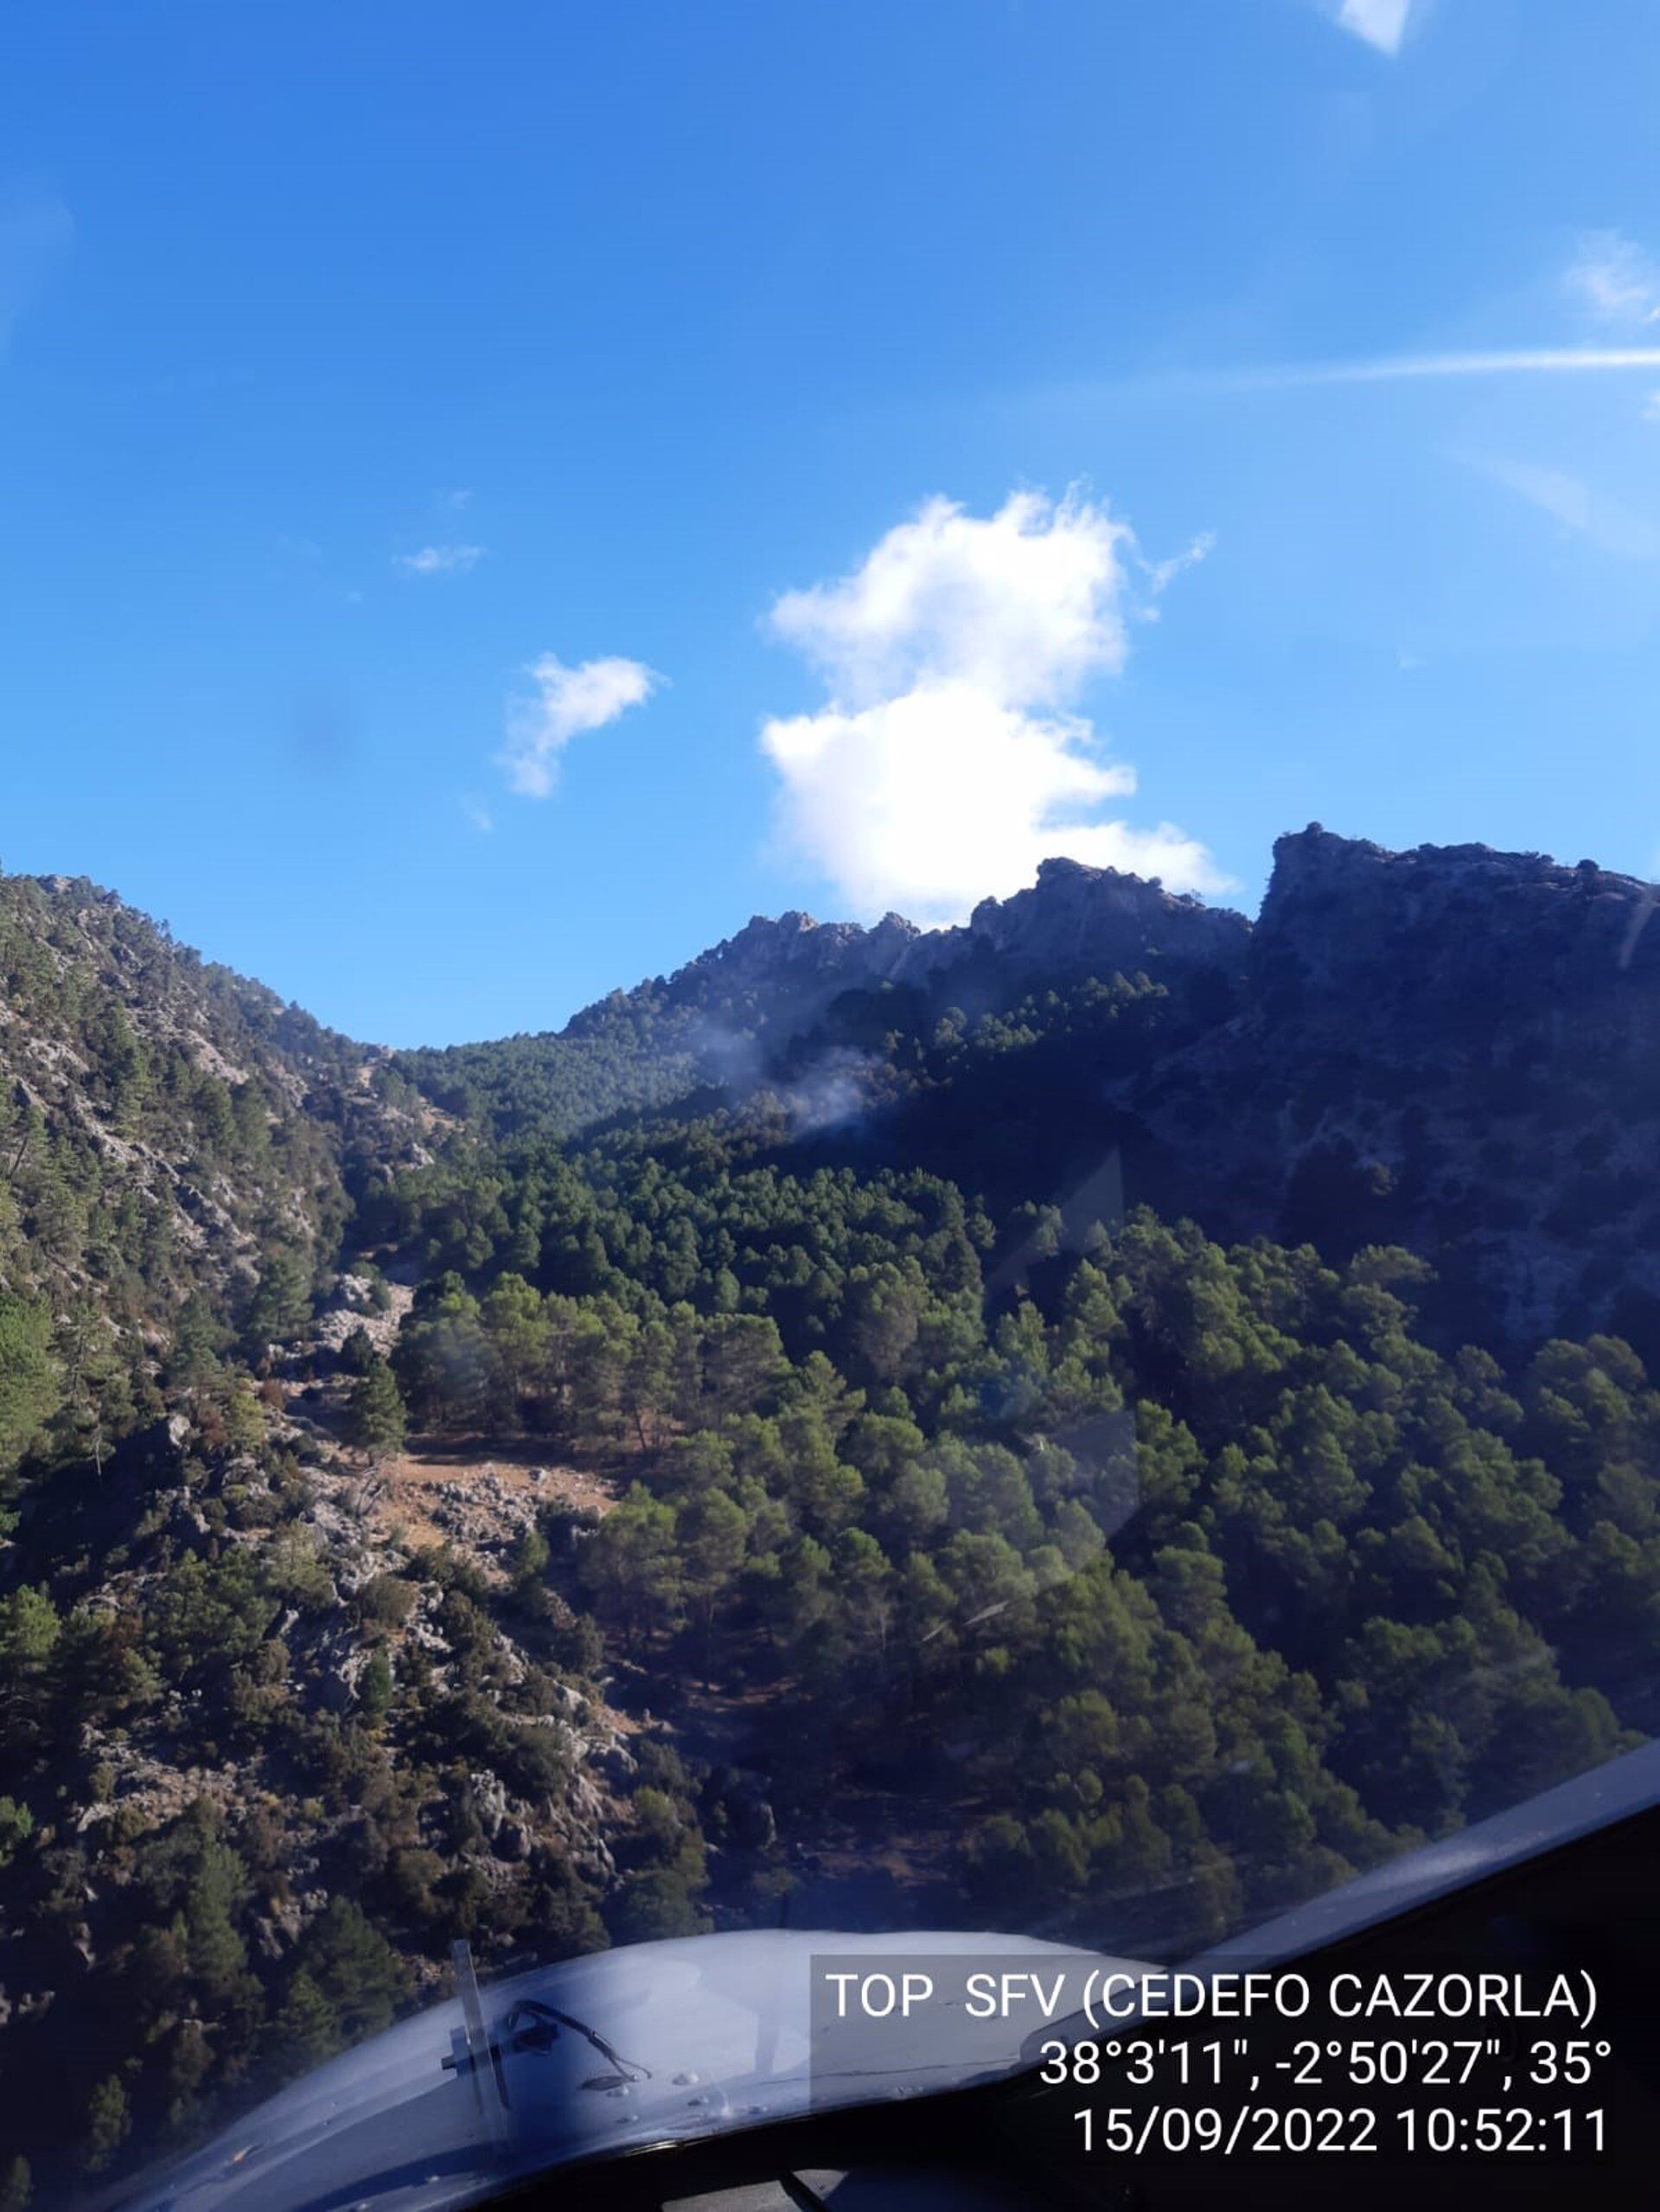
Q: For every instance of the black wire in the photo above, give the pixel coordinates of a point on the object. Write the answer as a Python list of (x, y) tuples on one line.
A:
[(629, 2069)]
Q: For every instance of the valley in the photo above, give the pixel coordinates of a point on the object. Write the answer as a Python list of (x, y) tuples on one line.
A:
[(1101, 1423)]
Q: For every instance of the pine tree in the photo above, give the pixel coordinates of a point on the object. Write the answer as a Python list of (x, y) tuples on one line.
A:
[(281, 1305), (306, 2027), (374, 1687), (29, 1374), (374, 1413), (357, 1353), (108, 2125), (357, 1974)]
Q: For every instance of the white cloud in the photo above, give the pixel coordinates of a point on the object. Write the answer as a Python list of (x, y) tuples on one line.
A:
[(1614, 280), (1026, 602), (440, 561), (941, 767), (1160, 574), (1393, 368), (479, 814), (1382, 23), (1615, 285), (568, 701), (1569, 500)]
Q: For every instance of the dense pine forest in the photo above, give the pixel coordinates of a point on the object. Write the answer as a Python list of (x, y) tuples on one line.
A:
[(1050, 1408)]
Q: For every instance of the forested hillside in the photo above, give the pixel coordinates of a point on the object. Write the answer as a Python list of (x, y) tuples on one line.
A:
[(169, 1131), (834, 1431), (1452, 1048)]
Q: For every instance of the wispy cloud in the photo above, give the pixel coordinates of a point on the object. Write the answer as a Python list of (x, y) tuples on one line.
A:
[(1382, 23), (1391, 368), (942, 764), (568, 701), (1160, 574), (1570, 500), (479, 814), (439, 560), (1614, 281)]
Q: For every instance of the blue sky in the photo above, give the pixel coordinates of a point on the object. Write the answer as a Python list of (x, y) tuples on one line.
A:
[(495, 495)]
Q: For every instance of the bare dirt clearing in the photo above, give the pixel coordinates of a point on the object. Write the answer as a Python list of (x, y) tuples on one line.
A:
[(483, 1495)]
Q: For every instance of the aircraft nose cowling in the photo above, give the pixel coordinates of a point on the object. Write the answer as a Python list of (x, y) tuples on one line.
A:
[(655, 2043)]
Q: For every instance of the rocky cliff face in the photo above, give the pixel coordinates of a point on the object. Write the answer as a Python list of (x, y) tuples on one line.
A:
[(1073, 921), (1077, 920), (1453, 1048), (788, 969), (1455, 947)]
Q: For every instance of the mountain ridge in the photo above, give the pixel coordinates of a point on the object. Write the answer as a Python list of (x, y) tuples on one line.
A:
[(1071, 917), (1451, 1047), (975, 1357), (1072, 914)]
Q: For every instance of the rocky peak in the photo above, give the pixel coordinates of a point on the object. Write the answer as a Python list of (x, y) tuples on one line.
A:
[(1075, 917), (1459, 941), (1451, 1048), (792, 957)]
